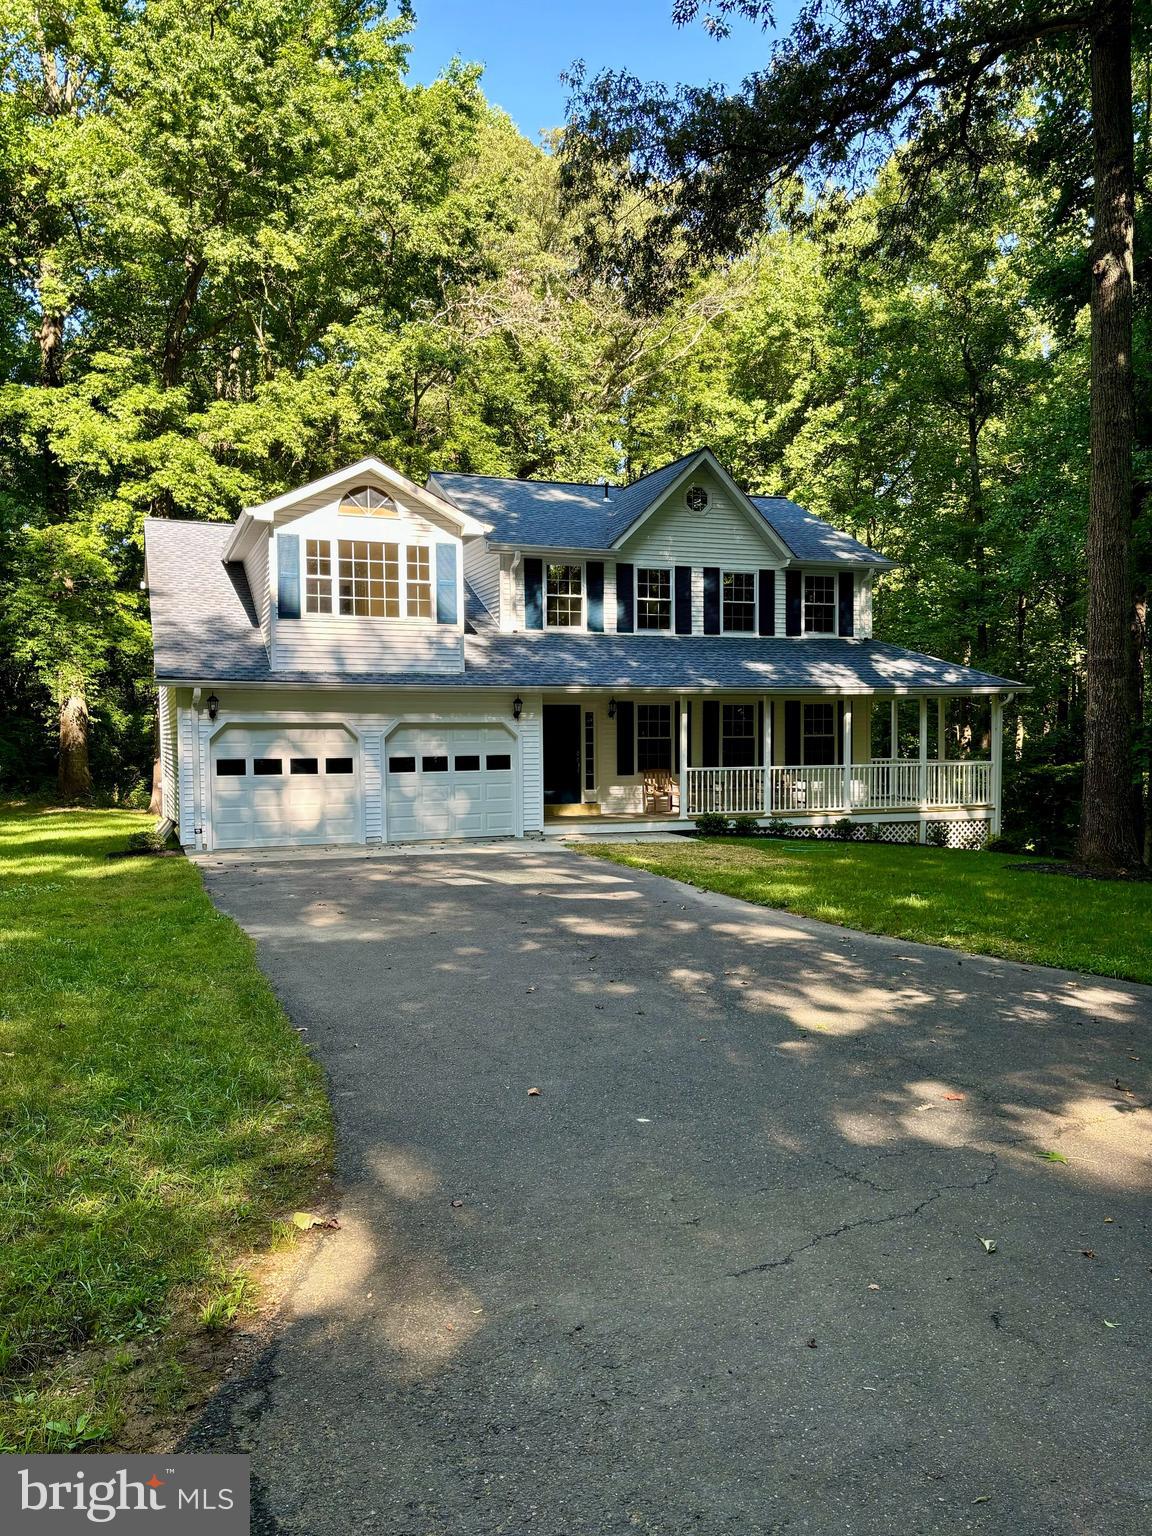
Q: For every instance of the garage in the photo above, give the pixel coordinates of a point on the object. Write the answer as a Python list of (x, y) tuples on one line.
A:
[(450, 781), (285, 786)]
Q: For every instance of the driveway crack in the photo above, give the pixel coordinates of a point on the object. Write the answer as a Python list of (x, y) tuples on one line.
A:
[(868, 1221)]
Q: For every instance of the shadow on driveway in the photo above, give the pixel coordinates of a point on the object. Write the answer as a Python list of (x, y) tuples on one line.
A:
[(724, 1274)]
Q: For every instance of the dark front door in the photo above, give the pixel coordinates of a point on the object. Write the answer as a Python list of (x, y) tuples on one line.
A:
[(561, 754)]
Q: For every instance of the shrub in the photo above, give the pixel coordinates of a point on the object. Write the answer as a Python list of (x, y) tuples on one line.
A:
[(1042, 806), (843, 829), (937, 835), (745, 826), (775, 826), (1002, 845), (712, 824), (146, 842)]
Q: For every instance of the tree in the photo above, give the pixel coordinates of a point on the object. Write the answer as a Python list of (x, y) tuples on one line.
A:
[(847, 85)]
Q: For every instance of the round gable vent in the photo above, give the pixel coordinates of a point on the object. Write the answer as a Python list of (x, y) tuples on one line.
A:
[(697, 498)]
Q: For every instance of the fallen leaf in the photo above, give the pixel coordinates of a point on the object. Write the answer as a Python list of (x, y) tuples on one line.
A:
[(305, 1220), (1107, 1324), (533, 1093), (1052, 1157), (954, 1096), (989, 1244), (1088, 1253), (985, 1498), (873, 1287), (456, 1204), (1108, 1220)]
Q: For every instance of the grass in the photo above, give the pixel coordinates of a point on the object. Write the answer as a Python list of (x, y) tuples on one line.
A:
[(971, 901), (159, 1117)]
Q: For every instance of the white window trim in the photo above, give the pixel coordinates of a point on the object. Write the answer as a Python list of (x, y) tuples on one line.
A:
[(567, 629), (334, 541), (736, 570), (820, 634), (654, 565)]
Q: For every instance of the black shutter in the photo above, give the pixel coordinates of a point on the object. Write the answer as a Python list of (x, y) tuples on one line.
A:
[(711, 599), (625, 740), (793, 733), (533, 594), (683, 599), (847, 593), (767, 602), (288, 575), (793, 597), (710, 724), (594, 580), (625, 601)]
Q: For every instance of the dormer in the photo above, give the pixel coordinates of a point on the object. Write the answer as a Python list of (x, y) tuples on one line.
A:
[(360, 572)]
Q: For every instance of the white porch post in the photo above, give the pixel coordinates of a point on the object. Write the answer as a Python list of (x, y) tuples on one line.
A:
[(922, 830), (684, 743), (847, 790), (766, 754), (997, 769)]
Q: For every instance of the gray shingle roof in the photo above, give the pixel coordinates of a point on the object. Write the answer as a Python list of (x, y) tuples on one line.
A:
[(552, 514), (204, 621), (205, 628)]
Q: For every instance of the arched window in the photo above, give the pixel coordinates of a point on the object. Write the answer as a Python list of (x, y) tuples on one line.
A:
[(367, 501)]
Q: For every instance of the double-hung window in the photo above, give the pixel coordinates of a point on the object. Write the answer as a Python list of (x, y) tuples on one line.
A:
[(564, 596), (419, 594), (317, 576), (819, 605), (653, 597), (739, 598), (738, 735), (653, 737), (819, 733)]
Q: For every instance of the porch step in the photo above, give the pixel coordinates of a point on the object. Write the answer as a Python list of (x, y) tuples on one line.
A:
[(558, 812)]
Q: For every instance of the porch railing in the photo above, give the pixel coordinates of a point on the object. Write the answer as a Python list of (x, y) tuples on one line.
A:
[(882, 785)]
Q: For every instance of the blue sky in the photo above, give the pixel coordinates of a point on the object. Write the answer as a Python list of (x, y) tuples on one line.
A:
[(524, 46)]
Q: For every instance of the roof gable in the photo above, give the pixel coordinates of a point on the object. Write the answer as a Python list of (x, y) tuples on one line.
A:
[(674, 477)]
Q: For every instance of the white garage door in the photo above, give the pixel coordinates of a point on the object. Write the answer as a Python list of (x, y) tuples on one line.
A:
[(284, 787), (450, 781)]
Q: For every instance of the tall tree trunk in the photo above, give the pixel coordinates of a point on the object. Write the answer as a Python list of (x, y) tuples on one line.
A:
[(75, 778), (1107, 828)]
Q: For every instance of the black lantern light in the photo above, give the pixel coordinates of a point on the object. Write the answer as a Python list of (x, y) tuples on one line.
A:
[(517, 707), (213, 706), (611, 709)]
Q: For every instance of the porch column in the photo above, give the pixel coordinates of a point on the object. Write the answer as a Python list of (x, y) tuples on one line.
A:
[(847, 790), (684, 743), (766, 753), (922, 829), (997, 769)]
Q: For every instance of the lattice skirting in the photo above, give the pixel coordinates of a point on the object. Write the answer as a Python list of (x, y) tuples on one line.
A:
[(958, 834)]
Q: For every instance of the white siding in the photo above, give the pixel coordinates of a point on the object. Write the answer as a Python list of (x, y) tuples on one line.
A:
[(166, 717), (336, 642), (723, 534), (256, 570), (187, 770), (532, 765), (482, 571)]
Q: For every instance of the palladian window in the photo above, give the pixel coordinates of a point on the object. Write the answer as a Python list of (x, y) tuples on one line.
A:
[(367, 501)]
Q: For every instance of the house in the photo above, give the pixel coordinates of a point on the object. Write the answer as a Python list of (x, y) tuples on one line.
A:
[(366, 660)]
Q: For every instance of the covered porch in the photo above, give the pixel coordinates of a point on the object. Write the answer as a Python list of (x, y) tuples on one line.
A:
[(653, 761)]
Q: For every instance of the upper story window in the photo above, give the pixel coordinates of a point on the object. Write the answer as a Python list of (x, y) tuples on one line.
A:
[(653, 597), (317, 576), (367, 501), (564, 596), (419, 596), (739, 590), (819, 605)]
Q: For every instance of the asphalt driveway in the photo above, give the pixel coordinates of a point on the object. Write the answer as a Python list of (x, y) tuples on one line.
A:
[(724, 1273)]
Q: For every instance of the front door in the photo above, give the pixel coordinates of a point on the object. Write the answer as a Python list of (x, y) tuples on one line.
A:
[(561, 754)]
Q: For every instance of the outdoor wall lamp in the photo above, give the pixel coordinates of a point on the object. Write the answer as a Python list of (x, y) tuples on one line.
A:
[(517, 707), (611, 709), (213, 706)]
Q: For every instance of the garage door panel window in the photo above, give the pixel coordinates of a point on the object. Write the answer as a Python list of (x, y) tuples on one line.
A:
[(467, 764), (304, 765), (434, 765), (498, 762), (231, 767), (401, 765), (267, 765), (338, 765)]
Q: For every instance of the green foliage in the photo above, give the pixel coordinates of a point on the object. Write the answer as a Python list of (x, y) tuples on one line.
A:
[(1042, 806), (146, 841), (712, 824)]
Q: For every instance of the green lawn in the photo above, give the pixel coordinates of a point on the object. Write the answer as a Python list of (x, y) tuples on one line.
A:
[(973, 901), (160, 1118)]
